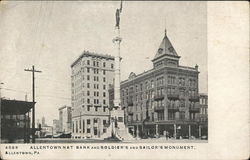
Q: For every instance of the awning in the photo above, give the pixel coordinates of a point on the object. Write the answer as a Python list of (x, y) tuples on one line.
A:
[(15, 107)]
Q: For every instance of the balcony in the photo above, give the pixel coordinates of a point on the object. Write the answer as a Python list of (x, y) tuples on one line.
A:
[(130, 112), (194, 109), (158, 97), (130, 103), (158, 108), (194, 98), (173, 96), (173, 108)]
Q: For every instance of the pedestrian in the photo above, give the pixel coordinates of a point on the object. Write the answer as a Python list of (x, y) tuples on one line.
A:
[(164, 132), (167, 135)]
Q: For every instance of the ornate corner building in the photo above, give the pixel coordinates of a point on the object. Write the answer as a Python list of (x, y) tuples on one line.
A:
[(163, 99)]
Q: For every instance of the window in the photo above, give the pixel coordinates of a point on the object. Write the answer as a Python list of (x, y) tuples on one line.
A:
[(104, 101), (104, 79), (104, 87), (112, 66), (88, 93), (97, 64), (88, 108), (87, 62), (88, 77), (95, 130), (171, 115), (182, 115), (88, 130), (96, 109), (76, 126), (88, 85), (152, 83), (104, 72), (88, 100), (83, 126), (93, 63), (160, 116), (95, 120), (104, 94), (104, 109), (104, 64), (88, 121), (181, 81), (104, 121), (104, 130), (88, 70)]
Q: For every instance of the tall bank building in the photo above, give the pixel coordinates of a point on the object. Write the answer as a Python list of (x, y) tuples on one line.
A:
[(90, 78)]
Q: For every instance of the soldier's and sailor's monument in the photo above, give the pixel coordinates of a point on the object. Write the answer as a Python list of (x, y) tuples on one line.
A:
[(118, 128)]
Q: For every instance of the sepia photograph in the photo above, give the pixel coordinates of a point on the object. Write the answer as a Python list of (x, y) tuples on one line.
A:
[(104, 72)]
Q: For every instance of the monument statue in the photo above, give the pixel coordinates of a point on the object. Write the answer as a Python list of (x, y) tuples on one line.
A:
[(117, 16)]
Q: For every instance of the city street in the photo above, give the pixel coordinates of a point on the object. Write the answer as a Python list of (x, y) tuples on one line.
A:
[(154, 140)]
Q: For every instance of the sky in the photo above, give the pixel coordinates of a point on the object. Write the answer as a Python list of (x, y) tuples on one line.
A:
[(52, 34)]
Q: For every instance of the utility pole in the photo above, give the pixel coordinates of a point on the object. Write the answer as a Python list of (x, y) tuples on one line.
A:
[(33, 100), (1, 101)]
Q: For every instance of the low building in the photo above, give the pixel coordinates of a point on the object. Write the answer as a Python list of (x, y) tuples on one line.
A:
[(65, 119), (15, 121)]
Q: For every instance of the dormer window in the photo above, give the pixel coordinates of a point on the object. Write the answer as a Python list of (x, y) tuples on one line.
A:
[(160, 50), (171, 49)]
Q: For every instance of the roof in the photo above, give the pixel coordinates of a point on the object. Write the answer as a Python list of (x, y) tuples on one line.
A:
[(15, 107), (92, 54), (203, 94), (64, 107), (165, 48)]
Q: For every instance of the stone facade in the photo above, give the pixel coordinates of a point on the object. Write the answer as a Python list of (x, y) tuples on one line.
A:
[(65, 119), (91, 76)]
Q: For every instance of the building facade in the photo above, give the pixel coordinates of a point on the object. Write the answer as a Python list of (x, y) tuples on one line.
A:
[(91, 76), (43, 121), (203, 116), (56, 126), (164, 98), (65, 119)]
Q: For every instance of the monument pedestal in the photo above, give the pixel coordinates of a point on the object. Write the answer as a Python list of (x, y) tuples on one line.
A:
[(117, 127)]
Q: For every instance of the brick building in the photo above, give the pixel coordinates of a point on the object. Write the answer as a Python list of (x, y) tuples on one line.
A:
[(91, 76), (164, 98)]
